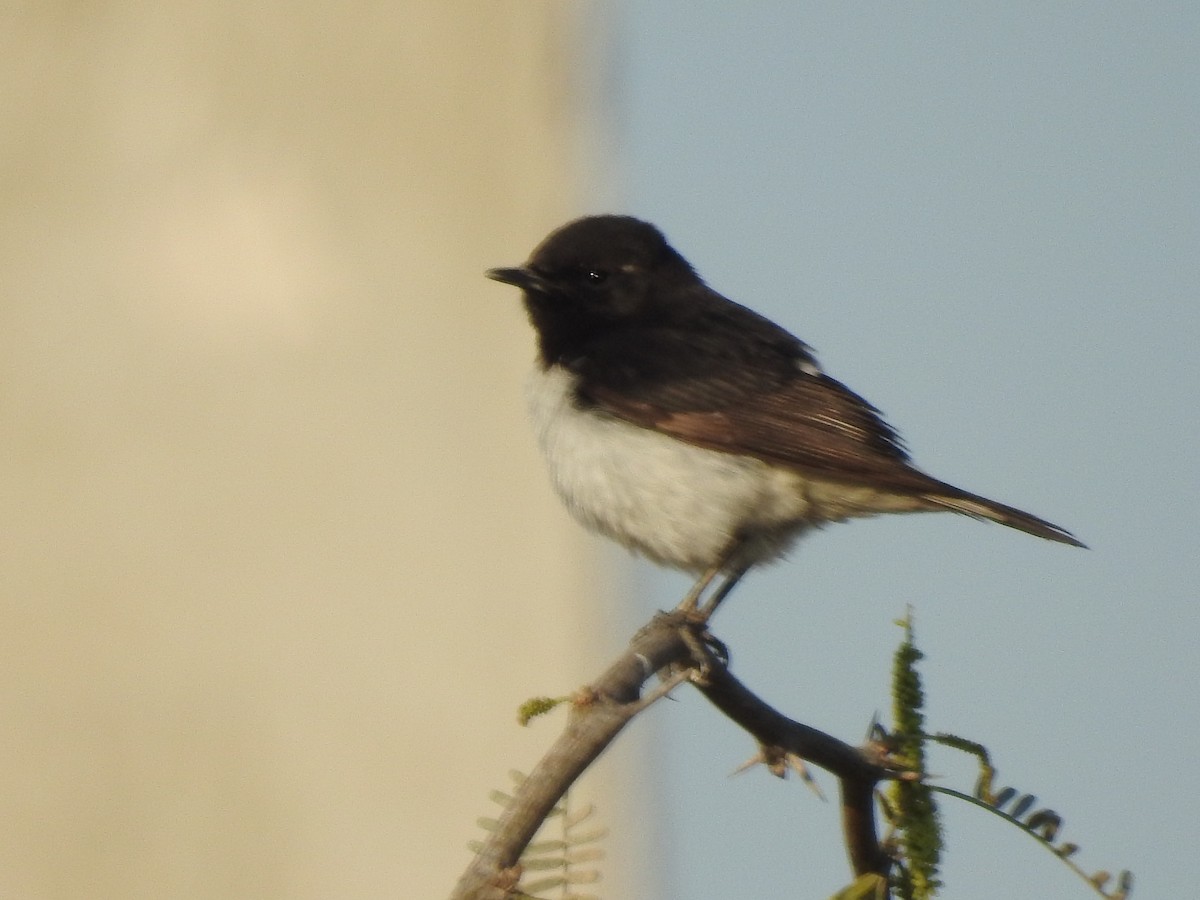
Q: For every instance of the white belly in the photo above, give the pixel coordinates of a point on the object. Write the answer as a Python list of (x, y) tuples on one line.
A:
[(678, 504)]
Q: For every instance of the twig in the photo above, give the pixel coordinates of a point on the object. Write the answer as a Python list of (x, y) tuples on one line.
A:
[(601, 710), (857, 773), (597, 716)]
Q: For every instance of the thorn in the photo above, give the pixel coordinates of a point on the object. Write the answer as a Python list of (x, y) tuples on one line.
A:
[(778, 762), (748, 764), (801, 768)]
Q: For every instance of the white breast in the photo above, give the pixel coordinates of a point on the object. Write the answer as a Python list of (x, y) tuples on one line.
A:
[(678, 504)]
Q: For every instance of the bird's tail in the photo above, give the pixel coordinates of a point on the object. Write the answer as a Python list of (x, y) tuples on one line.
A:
[(982, 508)]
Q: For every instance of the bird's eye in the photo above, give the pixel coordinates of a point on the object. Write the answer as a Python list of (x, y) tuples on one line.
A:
[(595, 276)]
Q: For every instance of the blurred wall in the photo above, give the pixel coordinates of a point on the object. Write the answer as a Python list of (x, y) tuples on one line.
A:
[(277, 560)]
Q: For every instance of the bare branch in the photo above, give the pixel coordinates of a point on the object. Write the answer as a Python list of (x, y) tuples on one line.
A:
[(602, 709), (856, 771), (598, 714)]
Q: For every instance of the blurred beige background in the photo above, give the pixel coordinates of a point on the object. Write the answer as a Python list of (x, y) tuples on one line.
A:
[(278, 559)]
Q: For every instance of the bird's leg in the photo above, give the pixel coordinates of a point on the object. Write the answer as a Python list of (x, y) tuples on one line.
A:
[(718, 596), (706, 650), (691, 603)]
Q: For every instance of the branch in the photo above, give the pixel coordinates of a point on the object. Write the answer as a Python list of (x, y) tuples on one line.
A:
[(598, 714), (858, 770), (601, 710)]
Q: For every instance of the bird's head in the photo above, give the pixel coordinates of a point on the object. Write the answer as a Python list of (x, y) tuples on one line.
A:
[(597, 270)]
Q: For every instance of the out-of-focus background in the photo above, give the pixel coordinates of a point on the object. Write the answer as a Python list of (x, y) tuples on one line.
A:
[(277, 558)]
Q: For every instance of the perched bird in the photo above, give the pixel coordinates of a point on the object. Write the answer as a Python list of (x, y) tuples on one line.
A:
[(693, 430)]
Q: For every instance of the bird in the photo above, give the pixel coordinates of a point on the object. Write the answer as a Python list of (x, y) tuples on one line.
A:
[(692, 430)]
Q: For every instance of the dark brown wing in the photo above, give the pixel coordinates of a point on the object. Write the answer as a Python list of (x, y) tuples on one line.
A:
[(809, 421), (819, 426), (719, 375)]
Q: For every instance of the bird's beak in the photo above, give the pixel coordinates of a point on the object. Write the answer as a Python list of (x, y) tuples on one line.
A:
[(526, 279)]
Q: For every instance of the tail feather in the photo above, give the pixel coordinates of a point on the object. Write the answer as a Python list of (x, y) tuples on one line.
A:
[(982, 508)]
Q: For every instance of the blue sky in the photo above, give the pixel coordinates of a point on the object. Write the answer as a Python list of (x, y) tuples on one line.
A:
[(984, 218)]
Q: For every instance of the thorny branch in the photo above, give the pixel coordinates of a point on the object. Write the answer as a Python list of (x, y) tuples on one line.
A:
[(598, 713)]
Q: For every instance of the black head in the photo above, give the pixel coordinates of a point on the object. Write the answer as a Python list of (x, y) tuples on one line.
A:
[(595, 273)]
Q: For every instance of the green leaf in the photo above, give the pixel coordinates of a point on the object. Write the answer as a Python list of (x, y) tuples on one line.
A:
[(871, 886)]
